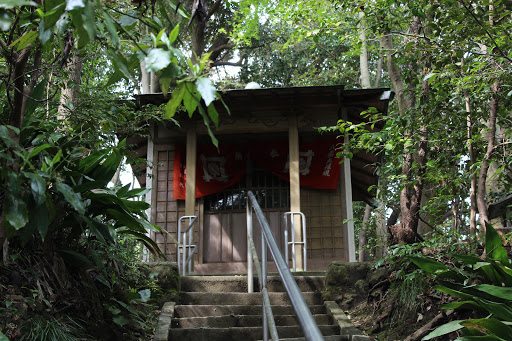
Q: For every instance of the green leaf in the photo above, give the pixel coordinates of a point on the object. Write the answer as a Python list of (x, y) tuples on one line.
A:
[(114, 310), (157, 59), (9, 4), (75, 259), (120, 63), (501, 292), (191, 99), (37, 150), (89, 19), (38, 186), (206, 122), (456, 305), (62, 24), (134, 193), (136, 205), (214, 115), (38, 221), (494, 245), (15, 208), (52, 15), (36, 95), (25, 40), (5, 20), (453, 292), (502, 311), (3, 337), (428, 265), (74, 4), (128, 20), (124, 218), (144, 239), (44, 34), (174, 34), (480, 338), (492, 326), (179, 9), (174, 102), (444, 329), (111, 28), (74, 199), (80, 31), (145, 295), (206, 89), (169, 75)]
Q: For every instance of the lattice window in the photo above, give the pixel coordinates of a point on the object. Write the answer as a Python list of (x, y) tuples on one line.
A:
[(270, 191)]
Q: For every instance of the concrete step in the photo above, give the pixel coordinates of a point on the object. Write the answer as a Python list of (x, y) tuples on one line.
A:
[(240, 333), (239, 283), (238, 298), (326, 338), (219, 310), (242, 321)]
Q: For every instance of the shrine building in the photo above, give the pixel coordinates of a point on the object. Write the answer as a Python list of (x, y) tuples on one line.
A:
[(266, 134)]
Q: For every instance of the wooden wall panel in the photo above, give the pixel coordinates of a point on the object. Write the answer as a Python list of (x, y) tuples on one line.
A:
[(165, 210), (322, 209)]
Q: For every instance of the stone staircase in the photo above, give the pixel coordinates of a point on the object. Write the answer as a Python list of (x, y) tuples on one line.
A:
[(218, 308)]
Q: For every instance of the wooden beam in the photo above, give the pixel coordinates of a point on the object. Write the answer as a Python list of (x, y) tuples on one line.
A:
[(293, 137)]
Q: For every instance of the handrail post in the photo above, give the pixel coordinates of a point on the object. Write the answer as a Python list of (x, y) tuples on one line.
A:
[(178, 246), (264, 283), (293, 243), (189, 245), (185, 250), (286, 245), (250, 267), (294, 255)]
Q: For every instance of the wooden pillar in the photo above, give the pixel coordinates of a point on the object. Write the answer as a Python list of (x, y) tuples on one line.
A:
[(293, 137), (190, 185), (150, 184), (346, 201)]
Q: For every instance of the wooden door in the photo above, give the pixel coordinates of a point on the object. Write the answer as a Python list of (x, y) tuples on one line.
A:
[(225, 222)]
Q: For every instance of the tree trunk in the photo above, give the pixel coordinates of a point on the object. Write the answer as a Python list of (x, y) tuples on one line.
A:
[(379, 67), (145, 85), (363, 57), (69, 94), (410, 196), (482, 177), (199, 20), (363, 240), (394, 74), (381, 228), (472, 162)]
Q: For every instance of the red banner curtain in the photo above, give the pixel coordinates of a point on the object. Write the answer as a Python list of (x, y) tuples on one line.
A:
[(217, 170), (318, 165)]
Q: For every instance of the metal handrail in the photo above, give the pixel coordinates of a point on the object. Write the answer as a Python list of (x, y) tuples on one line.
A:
[(186, 246), (293, 242), (304, 316)]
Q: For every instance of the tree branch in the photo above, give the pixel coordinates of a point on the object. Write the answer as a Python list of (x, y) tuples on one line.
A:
[(485, 29), (223, 63), (221, 47), (214, 8)]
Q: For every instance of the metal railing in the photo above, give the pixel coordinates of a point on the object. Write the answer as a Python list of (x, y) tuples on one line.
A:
[(185, 244), (304, 316), (293, 243)]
